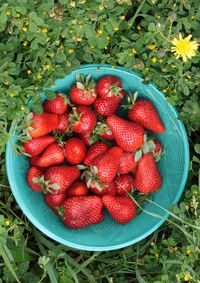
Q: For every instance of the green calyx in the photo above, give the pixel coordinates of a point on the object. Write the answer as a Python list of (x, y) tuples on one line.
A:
[(87, 84), (45, 185), (115, 90), (75, 117), (101, 128), (92, 179), (66, 99), (27, 126), (131, 100)]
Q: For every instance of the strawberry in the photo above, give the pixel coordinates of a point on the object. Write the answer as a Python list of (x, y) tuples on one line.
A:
[(122, 208), (35, 146), (75, 150), (83, 119), (144, 112), (128, 135), (158, 150), (37, 125), (63, 123), (59, 178), (147, 178), (95, 150), (58, 105), (106, 107), (107, 190), (33, 160), (53, 155), (103, 168), (109, 86), (103, 131), (82, 211), (84, 91), (123, 184), (54, 200), (127, 163), (78, 188), (88, 139), (33, 179)]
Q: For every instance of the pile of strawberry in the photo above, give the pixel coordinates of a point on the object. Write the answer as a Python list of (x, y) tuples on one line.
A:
[(101, 157)]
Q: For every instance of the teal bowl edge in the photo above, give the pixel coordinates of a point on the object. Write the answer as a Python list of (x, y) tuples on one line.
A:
[(165, 214)]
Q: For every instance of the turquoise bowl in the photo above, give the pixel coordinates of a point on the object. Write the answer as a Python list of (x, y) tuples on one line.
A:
[(110, 235)]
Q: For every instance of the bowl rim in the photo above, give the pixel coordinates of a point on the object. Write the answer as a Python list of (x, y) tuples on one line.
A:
[(165, 214)]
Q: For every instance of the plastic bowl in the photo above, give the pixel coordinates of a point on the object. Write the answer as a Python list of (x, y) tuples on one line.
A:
[(110, 235)]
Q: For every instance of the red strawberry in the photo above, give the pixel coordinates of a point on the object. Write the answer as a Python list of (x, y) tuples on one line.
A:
[(109, 86), (147, 178), (54, 200), (58, 105), (75, 150), (103, 168), (95, 150), (123, 184), (127, 163), (109, 190), (78, 188), (144, 112), (39, 125), (87, 138), (35, 146), (83, 92), (59, 178), (106, 107), (128, 135), (122, 208), (104, 131), (33, 179), (82, 211), (53, 155), (63, 123), (33, 160), (83, 119)]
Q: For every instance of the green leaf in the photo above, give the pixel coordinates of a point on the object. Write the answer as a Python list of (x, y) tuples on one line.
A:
[(151, 27), (138, 155), (88, 57), (49, 94), (80, 85), (197, 148)]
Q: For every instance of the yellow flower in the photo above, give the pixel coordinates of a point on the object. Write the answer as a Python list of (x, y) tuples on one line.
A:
[(122, 17), (158, 17), (189, 76), (91, 46), (45, 30), (113, 66), (11, 94), (7, 223), (39, 76), (72, 3), (101, 7), (188, 251), (174, 90), (108, 37), (186, 277), (8, 13), (25, 43), (47, 67), (116, 28), (29, 72), (154, 59), (193, 18), (99, 31), (151, 46), (165, 90), (70, 50), (22, 107), (24, 29), (184, 48)]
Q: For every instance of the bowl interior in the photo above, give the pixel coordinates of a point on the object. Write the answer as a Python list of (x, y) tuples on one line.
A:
[(109, 235)]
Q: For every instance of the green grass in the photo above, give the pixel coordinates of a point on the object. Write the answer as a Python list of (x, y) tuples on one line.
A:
[(41, 41)]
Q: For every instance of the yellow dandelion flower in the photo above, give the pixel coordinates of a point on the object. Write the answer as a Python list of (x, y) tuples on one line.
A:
[(70, 50), (45, 30), (154, 59), (151, 46), (186, 277), (99, 31), (184, 48), (24, 29)]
